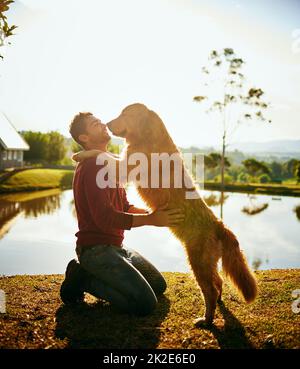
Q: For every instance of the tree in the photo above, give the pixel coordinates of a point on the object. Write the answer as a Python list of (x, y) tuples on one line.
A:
[(235, 98), (255, 167), (276, 170), (214, 160), (289, 168), (298, 173), (38, 144), (264, 178), (297, 212), (56, 149), (44, 147), (75, 147), (5, 30), (113, 148)]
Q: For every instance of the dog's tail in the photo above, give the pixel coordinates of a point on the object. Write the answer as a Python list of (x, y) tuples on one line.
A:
[(235, 265)]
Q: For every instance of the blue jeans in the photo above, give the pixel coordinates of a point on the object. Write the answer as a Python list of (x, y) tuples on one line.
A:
[(123, 277)]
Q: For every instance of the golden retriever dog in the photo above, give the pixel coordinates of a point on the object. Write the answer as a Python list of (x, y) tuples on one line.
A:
[(205, 238)]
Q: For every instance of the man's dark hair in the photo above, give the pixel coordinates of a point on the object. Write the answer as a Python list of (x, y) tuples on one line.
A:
[(78, 126)]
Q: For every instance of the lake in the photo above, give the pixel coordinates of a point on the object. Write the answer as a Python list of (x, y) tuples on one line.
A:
[(37, 232)]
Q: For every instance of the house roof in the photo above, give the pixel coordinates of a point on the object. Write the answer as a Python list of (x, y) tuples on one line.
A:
[(10, 139)]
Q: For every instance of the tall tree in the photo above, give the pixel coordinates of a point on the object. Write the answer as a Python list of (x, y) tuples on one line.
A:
[(298, 172), (255, 167), (75, 147), (5, 30), (214, 160), (276, 170), (235, 102), (56, 149), (289, 168), (44, 147), (38, 144)]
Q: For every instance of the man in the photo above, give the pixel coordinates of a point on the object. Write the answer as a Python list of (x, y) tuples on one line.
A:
[(107, 269)]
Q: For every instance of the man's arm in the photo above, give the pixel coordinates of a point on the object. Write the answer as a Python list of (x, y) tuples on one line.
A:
[(120, 165), (103, 213), (106, 216), (133, 210)]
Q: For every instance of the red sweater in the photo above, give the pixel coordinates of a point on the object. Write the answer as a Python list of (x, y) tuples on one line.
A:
[(101, 213)]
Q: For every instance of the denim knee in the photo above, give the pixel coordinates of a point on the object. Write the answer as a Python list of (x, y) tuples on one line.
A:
[(160, 286), (143, 307)]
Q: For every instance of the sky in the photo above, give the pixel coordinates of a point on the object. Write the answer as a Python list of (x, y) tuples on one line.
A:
[(100, 56)]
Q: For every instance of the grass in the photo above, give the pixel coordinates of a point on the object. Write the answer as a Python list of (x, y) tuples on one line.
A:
[(38, 179), (36, 318), (257, 188)]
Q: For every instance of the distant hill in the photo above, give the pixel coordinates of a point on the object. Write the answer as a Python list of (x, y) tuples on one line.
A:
[(275, 146), (277, 150), (271, 147)]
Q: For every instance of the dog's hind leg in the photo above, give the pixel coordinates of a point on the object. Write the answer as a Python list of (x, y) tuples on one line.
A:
[(204, 275), (218, 281), (210, 294), (203, 261)]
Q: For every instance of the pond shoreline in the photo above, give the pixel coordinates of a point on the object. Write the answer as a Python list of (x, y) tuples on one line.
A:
[(255, 188), (276, 190), (45, 178), (36, 317)]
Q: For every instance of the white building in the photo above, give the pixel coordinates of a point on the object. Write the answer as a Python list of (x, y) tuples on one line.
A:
[(12, 144)]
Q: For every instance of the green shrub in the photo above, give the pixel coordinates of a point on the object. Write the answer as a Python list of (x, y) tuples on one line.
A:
[(264, 178), (243, 178), (227, 178)]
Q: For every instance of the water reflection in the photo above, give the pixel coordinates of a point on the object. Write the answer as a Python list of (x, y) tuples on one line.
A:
[(254, 207), (37, 232), (30, 205), (8, 213), (215, 200), (73, 209), (297, 211)]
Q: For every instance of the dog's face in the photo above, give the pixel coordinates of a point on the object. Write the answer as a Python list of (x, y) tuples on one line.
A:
[(136, 123)]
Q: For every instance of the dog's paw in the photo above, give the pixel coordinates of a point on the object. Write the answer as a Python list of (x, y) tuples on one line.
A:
[(203, 323)]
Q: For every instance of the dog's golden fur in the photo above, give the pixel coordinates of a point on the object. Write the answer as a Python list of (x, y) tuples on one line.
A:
[(205, 238)]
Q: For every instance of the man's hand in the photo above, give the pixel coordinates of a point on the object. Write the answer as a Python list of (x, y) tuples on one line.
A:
[(161, 217)]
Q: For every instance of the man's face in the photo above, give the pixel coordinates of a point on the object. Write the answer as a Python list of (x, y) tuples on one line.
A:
[(96, 132)]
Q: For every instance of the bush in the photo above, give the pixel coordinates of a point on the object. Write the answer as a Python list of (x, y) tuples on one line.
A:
[(264, 178), (243, 178), (227, 178)]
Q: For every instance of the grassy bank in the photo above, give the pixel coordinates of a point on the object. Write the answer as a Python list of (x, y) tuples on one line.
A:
[(38, 179), (257, 188), (36, 318)]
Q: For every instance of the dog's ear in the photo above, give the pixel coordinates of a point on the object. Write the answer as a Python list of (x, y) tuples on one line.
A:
[(154, 126), (145, 122)]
